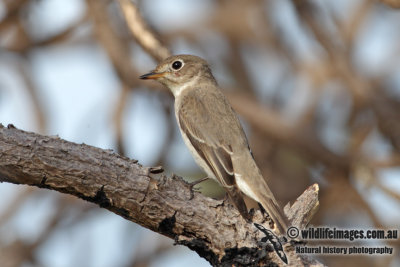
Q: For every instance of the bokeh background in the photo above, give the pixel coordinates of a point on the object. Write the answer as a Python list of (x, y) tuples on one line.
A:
[(316, 84)]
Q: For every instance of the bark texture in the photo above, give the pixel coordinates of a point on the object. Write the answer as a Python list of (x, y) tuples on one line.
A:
[(166, 205)]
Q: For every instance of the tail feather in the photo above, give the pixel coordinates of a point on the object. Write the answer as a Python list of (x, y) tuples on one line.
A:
[(250, 181)]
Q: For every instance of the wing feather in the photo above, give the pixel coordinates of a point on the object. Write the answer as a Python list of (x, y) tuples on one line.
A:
[(210, 139)]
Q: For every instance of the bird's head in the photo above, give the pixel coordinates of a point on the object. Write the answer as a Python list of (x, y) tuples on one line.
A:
[(178, 72)]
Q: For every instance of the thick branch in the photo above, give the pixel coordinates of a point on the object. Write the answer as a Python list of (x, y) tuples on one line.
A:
[(166, 205)]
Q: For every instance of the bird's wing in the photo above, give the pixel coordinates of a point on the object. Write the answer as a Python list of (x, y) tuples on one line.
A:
[(199, 117)]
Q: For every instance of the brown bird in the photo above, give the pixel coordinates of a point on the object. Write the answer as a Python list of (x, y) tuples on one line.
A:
[(211, 130)]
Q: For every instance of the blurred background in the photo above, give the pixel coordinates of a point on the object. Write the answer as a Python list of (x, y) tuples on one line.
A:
[(315, 83)]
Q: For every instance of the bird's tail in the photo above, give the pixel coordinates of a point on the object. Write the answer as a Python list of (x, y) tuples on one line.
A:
[(250, 181)]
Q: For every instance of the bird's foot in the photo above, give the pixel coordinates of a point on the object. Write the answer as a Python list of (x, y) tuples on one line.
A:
[(193, 184), (153, 172)]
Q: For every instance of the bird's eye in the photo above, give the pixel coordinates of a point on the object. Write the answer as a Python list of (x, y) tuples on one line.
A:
[(177, 65)]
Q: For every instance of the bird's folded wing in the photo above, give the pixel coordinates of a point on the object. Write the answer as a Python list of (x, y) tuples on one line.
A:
[(209, 123), (218, 160), (217, 157), (202, 117)]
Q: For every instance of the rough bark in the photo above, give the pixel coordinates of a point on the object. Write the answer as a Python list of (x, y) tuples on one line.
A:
[(166, 205)]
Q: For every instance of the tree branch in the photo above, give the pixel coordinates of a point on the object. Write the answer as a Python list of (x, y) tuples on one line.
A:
[(143, 35), (166, 205)]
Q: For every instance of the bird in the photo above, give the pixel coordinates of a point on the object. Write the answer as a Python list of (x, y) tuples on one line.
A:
[(214, 135)]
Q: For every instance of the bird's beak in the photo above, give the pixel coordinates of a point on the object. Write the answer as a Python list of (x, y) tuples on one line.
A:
[(152, 75)]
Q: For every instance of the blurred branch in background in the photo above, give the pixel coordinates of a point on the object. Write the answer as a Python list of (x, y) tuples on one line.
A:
[(315, 82), (392, 3), (140, 31)]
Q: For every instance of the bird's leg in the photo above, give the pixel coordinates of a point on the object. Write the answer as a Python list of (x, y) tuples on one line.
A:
[(192, 184)]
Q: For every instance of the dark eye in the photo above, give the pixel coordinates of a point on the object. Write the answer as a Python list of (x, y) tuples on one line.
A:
[(176, 65)]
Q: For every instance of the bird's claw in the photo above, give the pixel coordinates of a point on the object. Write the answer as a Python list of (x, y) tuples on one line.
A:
[(193, 184)]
